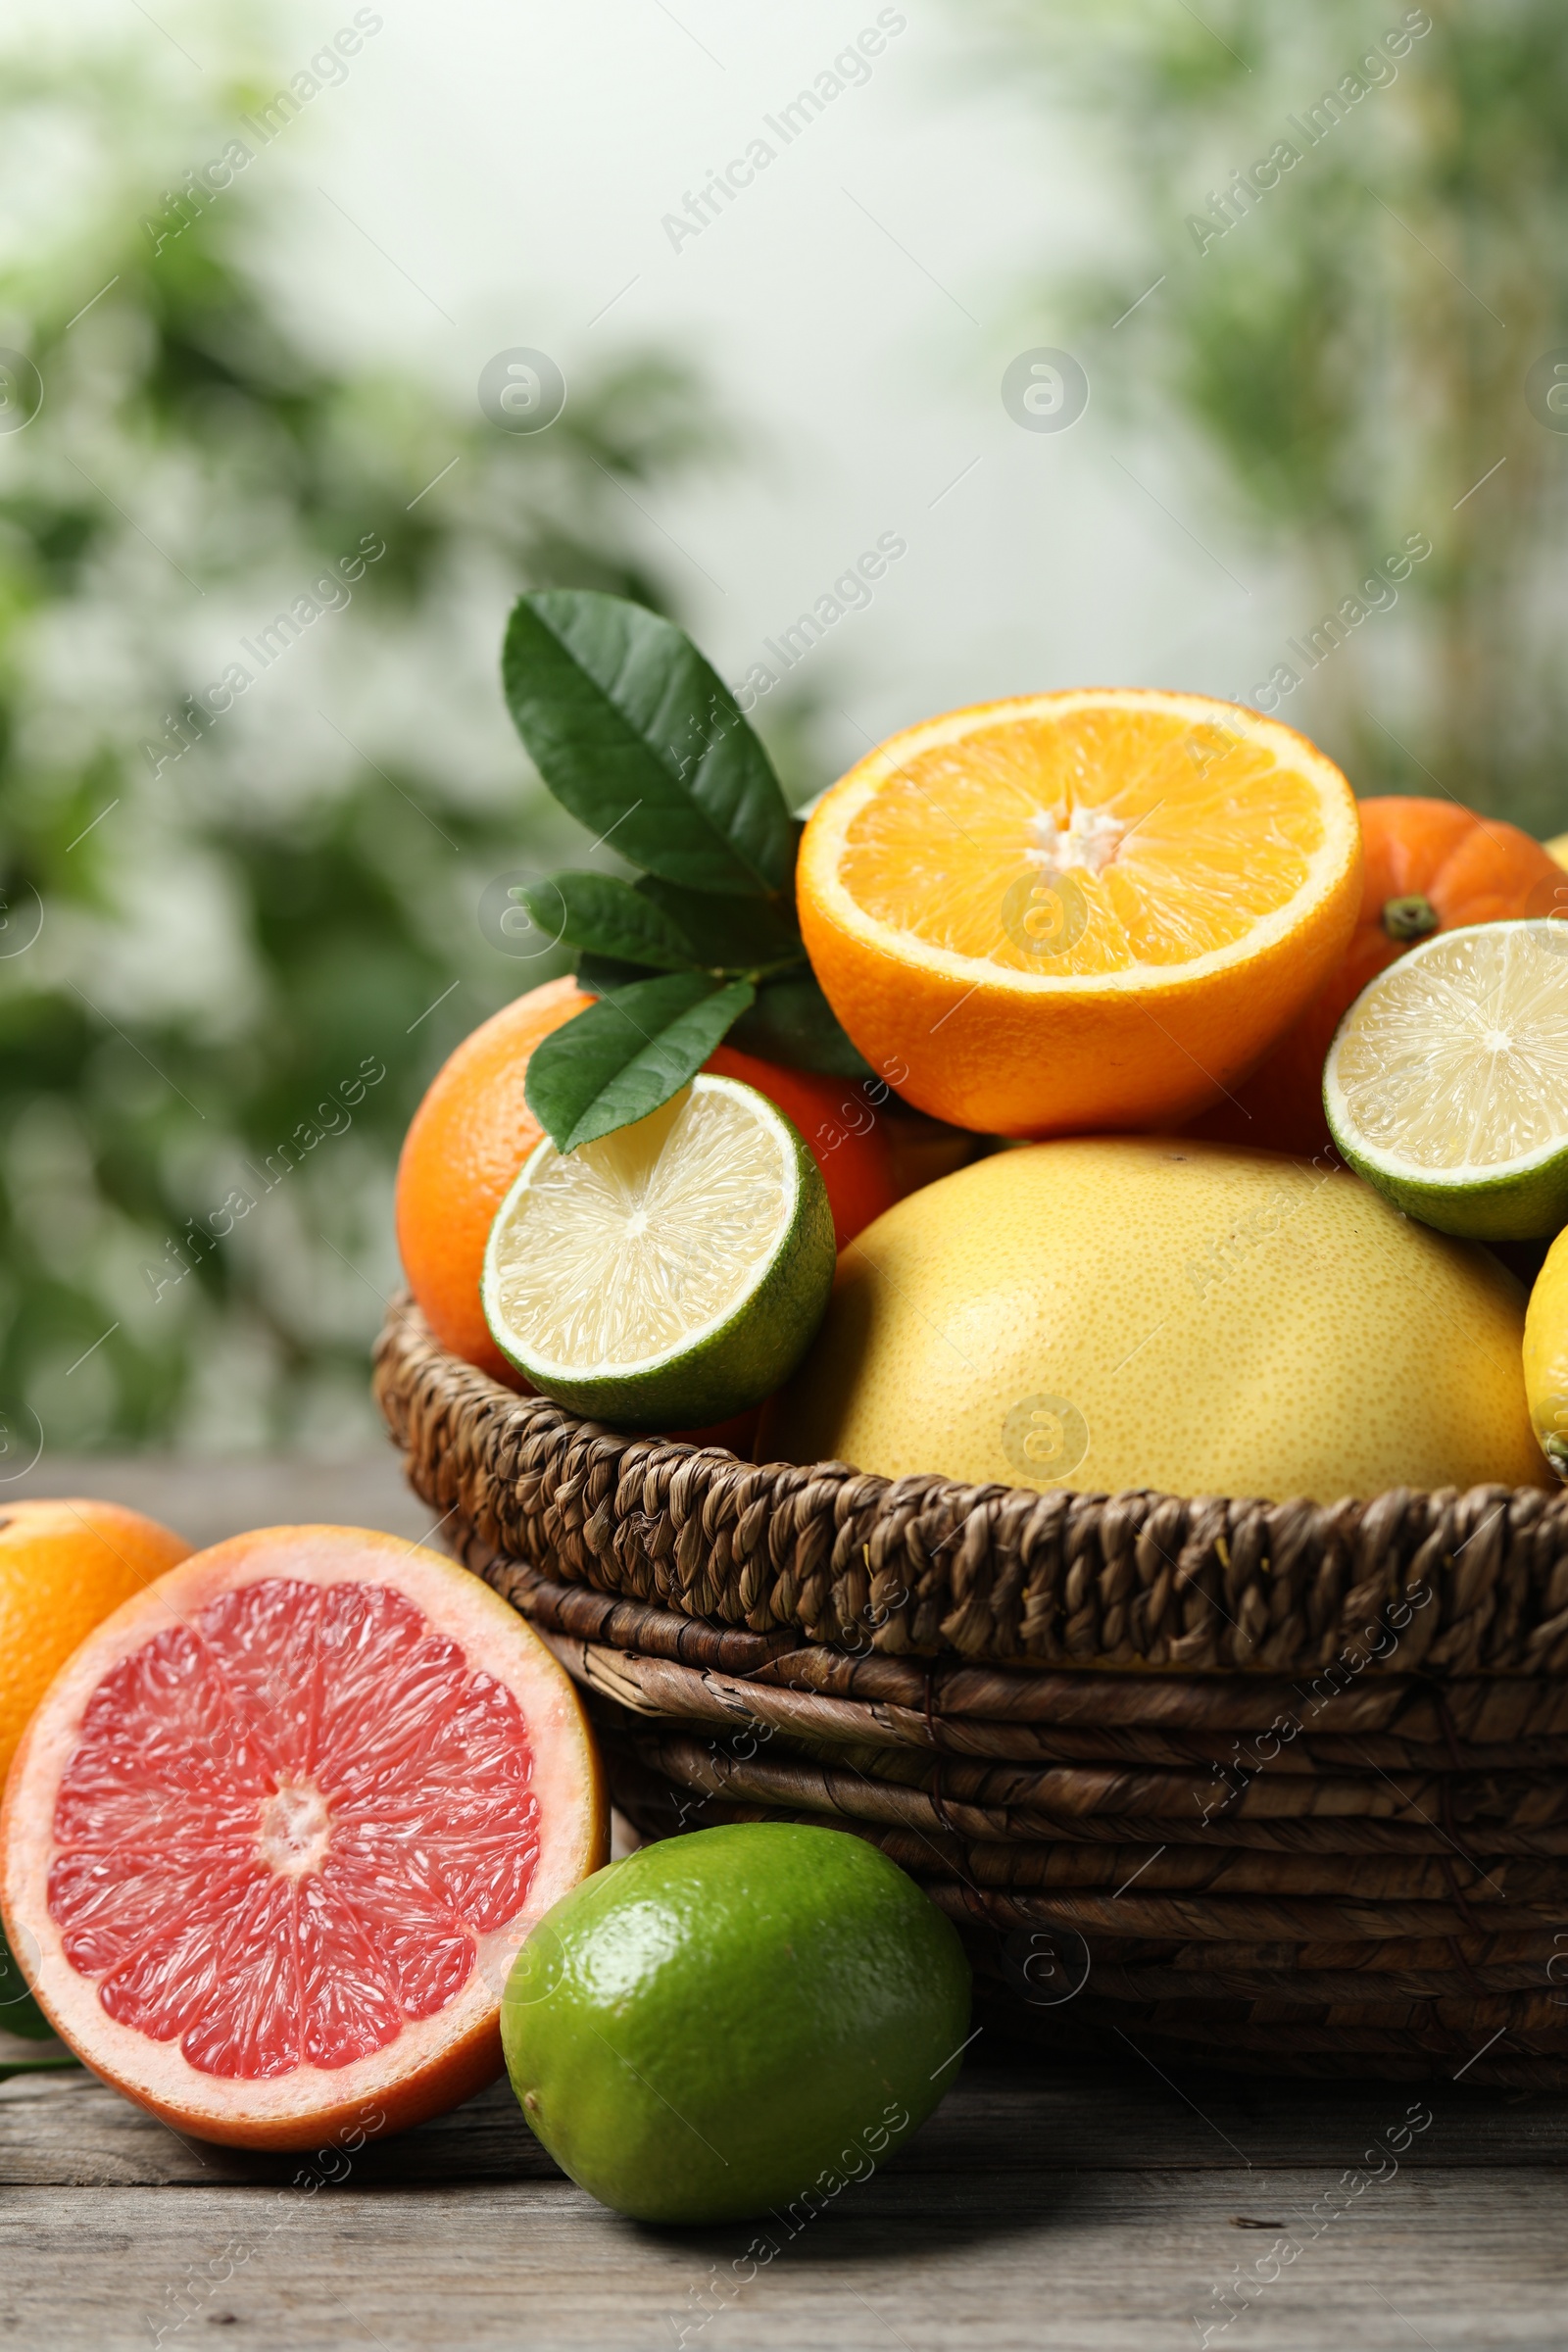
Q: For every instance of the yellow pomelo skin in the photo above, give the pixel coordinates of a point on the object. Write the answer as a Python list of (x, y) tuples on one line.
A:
[(1148, 1312), (1546, 1354)]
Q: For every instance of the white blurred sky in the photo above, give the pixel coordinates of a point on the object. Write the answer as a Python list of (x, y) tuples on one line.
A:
[(494, 174), (854, 312)]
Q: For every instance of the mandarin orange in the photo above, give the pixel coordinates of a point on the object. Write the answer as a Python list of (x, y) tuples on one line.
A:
[(1428, 865)]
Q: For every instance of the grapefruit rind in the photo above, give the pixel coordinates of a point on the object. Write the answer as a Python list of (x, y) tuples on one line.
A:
[(434, 2062)]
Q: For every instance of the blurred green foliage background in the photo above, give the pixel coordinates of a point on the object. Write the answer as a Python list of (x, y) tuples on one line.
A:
[(1337, 352), (218, 929)]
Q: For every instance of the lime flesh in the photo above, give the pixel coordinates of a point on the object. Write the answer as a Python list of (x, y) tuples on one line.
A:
[(1446, 1084), (746, 2019), (671, 1273)]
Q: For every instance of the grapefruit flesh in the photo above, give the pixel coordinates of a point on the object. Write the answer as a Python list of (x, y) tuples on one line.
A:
[(278, 1828)]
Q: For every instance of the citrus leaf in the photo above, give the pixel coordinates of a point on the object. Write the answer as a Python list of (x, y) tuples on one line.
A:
[(726, 934), (608, 917), (635, 734), (602, 975), (625, 1055), (792, 1021)]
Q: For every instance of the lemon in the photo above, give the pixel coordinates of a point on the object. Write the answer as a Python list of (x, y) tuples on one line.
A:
[(669, 1274), (1557, 847), (1545, 1355), (1446, 1084), (744, 2018), (1149, 1312)]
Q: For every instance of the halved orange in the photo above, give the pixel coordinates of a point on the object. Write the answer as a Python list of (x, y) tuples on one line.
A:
[(1078, 911)]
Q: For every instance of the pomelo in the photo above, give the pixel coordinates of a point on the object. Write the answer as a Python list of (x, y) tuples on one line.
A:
[(1107, 1312), (277, 1829)]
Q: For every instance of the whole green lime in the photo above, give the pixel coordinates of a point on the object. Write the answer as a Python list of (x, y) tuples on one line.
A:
[(746, 2018)]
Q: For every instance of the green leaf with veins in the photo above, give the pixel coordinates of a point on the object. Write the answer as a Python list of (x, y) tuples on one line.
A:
[(793, 1021), (602, 975), (640, 738), (622, 1058), (728, 934), (608, 917)]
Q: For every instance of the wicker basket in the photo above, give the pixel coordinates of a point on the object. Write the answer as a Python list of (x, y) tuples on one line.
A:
[(1281, 1787)]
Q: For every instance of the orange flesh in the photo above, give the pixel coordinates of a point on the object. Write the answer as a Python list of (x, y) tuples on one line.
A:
[(1178, 845)]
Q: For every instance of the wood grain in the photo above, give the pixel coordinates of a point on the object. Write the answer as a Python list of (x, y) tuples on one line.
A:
[(996, 2261), (207, 1500), (1006, 2110)]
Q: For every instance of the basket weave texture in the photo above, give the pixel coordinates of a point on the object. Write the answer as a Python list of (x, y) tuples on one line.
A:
[(1275, 1787)]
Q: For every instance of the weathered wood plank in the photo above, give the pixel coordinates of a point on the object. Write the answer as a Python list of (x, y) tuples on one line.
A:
[(75, 2132), (207, 1500), (1098, 2262), (82, 2135)]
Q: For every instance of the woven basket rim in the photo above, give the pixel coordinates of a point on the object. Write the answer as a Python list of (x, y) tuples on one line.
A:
[(1440, 1582), (1274, 1852)]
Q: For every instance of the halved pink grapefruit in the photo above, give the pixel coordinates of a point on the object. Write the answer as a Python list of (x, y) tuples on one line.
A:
[(278, 1826)]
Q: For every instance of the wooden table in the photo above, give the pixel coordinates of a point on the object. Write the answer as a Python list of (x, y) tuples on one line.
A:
[(1044, 2206)]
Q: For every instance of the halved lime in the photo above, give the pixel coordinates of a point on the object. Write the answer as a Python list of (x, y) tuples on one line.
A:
[(1446, 1084), (669, 1274)]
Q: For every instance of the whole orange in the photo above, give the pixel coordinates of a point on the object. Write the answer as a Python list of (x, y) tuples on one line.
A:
[(65, 1567), (464, 1145), (473, 1131)]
